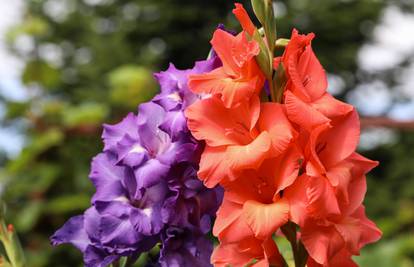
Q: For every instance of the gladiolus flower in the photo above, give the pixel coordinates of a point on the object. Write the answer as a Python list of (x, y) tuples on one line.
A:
[(307, 102), (237, 138), (147, 189), (323, 233), (239, 78), (252, 206)]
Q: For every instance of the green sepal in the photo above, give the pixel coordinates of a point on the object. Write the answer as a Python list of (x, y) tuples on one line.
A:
[(264, 13), (259, 9), (282, 42), (263, 58), (279, 82)]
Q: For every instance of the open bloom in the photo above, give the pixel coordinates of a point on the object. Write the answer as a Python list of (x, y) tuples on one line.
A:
[(237, 138), (326, 200), (328, 148), (122, 221), (239, 78), (344, 234), (307, 102)]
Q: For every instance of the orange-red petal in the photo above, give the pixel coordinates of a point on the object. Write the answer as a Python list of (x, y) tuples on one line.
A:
[(322, 198), (273, 119), (244, 19), (244, 253), (302, 113), (341, 140), (249, 156), (265, 219), (331, 107), (321, 242), (209, 120), (230, 226), (212, 170)]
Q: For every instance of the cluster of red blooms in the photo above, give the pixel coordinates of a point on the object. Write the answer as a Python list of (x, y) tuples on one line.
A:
[(287, 167)]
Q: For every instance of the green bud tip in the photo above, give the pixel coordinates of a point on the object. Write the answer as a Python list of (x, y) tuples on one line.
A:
[(10, 228)]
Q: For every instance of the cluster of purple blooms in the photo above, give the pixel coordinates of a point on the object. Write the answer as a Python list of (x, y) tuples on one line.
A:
[(147, 190)]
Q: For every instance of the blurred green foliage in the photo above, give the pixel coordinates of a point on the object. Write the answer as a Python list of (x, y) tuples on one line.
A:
[(91, 61)]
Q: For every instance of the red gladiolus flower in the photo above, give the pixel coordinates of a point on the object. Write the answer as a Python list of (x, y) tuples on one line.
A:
[(239, 78), (252, 206), (307, 102), (325, 234), (238, 138)]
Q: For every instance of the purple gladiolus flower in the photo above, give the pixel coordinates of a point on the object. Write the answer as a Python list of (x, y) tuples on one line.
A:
[(147, 190)]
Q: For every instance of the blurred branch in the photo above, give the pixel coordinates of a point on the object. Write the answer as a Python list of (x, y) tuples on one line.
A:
[(368, 122)]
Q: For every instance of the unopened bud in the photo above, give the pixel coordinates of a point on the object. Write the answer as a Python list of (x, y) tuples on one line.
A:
[(10, 228), (282, 42)]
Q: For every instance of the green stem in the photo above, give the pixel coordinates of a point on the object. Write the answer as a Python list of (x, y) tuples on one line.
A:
[(11, 245), (130, 262), (273, 94), (300, 255)]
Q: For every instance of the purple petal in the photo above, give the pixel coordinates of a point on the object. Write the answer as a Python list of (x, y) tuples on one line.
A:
[(175, 212), (91, 222), (175, 124), (95, 257), (120, 207), (112, 134), (72, 232), (205, 66), (169, 101), (117, 231), (185, 248), (131, 152), (107, 177), (151, 115), (155, 194), (187, 153), (148, 220), (172, 79), (150, 173)]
